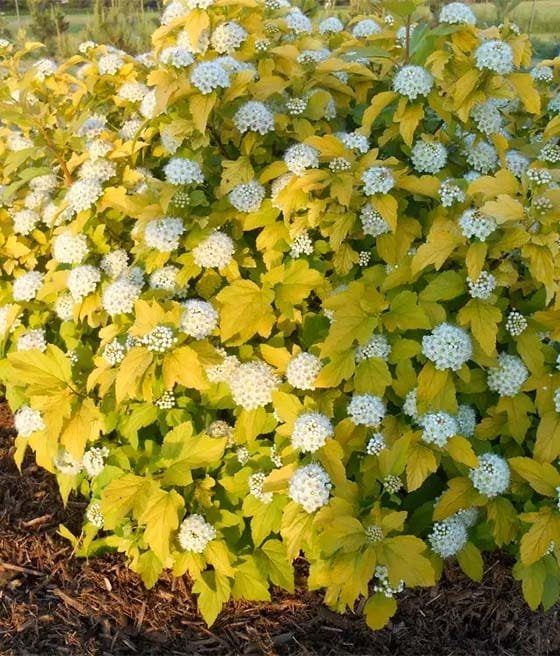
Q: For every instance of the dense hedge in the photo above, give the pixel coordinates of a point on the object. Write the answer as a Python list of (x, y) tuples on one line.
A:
[(285, 286)]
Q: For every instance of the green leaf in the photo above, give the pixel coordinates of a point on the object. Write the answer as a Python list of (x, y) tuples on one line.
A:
[(161, 517), (444, 287), (378, 610), (297, 283)]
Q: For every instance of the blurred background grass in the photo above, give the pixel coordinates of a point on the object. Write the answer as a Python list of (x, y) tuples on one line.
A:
[(128, 24)]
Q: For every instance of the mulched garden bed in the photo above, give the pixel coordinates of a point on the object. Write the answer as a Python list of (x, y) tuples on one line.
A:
[(52, 603)]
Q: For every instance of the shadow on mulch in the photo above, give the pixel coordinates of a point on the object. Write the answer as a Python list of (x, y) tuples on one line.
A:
[(51, 603)]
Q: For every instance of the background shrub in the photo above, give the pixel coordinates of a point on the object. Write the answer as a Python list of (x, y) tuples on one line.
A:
[(281, 286)]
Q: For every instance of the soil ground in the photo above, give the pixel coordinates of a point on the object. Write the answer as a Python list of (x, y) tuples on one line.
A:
[(52, 603)]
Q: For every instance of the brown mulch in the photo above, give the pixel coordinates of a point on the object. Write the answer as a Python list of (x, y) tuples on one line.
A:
[(52, 603)]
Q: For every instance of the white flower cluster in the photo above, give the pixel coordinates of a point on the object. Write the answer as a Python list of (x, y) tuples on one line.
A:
[(492, 475), (110, 64), (373, 533), (428, 156), (483, 286), (550, 153), (222, 372), (83, 194), (516, 163), (27, 285), (64, 307), (99, 170), (354, 141), (302, 244), (481, 155), (67, 464), (242, 455), (252, 384), (296, 106), (247, 197), (93, 460), (297, 21), (27, 421), (310, 487), (228, 37), (382, 584), (160, 339), (475, 224), (94, 515), (300, 157), (199, 318), (413, 81), (32, 339), (254, 116), (450, 193), (438, 428), (83, 281), (516, 323), (311, 431), (377, 346), (556, 399), (539, 176), (195, 533), (182, 171), (377, 180), (542, 73), (372, 222), (331, 25), (457, 13), (448, 537), (214, 251), (365, 28), (256, 483), (5, 322), (302, 371), (509, 376), (70, 249), (166, 401), (120, 296), (376, 444), (392, 483), (366, 409), (132, 91), (25, 221), (164, 234), (339, 164), (209, 75), (466, 420), (448, 347), (164, 278), (487, 117), (494, 55)]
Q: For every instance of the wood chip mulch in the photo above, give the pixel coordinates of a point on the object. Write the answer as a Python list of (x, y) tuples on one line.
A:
[(52, 603)]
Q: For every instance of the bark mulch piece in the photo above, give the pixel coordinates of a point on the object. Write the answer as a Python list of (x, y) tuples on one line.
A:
[(52, 603)]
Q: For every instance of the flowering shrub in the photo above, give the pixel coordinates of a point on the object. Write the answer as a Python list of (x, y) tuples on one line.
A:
[(283, 286)]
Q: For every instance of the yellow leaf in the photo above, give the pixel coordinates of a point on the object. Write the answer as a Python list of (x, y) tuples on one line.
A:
[(542, 477), (420, 464), (341, 367), (408, 116), (475, 259), (525, 90), (123, 495), (459, 494), (547, 445), (483, 320), (85, 425), (504, 520), (183, 366), (443, 239), (464, 86), (200, 107), (503, 209), (535, 543), (378, 104), (378, 610), (388, 207), (161, 517), (431, 382), (245, 309), (460, 449), (403, 557), (131, 372), (470, 561)]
